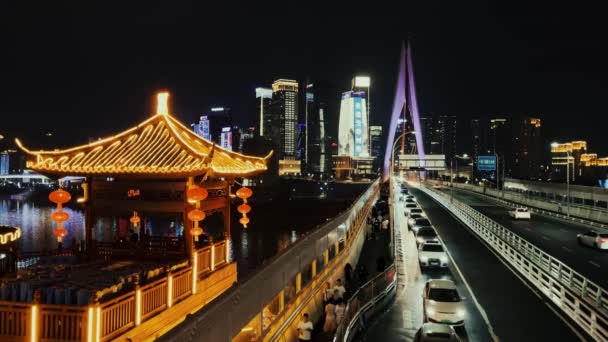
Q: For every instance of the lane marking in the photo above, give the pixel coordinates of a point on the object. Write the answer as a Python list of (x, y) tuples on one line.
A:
[(566, 249), (482, 311), (594, 263), (566, 321)]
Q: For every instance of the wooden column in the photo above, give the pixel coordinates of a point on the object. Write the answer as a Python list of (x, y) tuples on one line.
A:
[(227, 209), (189, 248), (89, 218)]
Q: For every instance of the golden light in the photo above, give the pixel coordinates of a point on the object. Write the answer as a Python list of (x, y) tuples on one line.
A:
[(98, 324), (135, 219), (196, 231), (85, 192), (34, 324), (212, 257), (90, 325), (195, 270), (60, 233), (196, 215), (170, 291), (162, 103), (11, 234), (138, 307)]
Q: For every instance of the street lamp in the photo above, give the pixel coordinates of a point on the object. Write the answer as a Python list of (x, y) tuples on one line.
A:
[(555, 145), (391, 195), (465, 157)]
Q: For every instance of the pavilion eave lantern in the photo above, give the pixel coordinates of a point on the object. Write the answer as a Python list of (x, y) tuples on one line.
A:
[(244, 193), (195, 195), (60, 197)]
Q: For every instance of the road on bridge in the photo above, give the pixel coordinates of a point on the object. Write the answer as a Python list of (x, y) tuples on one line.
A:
[(555, 236)]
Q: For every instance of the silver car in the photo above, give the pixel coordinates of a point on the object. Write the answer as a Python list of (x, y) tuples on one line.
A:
[(421, 222), (435, 332), (593, 239)]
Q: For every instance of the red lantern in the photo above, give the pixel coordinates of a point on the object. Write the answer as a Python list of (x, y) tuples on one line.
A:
[(244, 193), (60, 196), (196, 215), (135, 219), (60, 233), (196, 231), (197, 193), (244, 221), (243, 208), (60, 216)]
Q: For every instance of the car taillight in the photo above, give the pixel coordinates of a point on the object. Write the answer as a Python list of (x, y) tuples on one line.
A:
[(603, 240)]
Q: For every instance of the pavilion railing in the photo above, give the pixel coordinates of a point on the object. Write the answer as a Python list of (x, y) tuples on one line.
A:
[(106, 320)]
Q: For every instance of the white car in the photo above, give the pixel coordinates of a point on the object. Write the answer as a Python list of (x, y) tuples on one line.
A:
[(593, 239), (434, 332), (420, 223), (441, 303), (432, 254), (411, 219), (520, 214), (437, 186), (409, 206)]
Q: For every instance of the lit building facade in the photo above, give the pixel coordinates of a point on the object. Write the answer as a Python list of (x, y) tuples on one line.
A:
[(446, 135), (318, 97), (353, 135), (263, 97), (375, 133), (500, 142), (4, 164), (284, 118)]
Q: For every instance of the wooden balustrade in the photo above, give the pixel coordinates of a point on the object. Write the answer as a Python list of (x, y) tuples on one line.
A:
[(153, 298), (204, 260), (182, 285), (219, 254), (117, 316), (62, 323), (14, 321)]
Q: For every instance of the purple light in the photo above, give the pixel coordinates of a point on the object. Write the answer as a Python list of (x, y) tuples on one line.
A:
[(398, 105), (406, 74)]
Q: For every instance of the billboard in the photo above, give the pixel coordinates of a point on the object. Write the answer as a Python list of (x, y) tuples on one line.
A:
[(353, 137), (486, 163), (226, 138), (430, 162)]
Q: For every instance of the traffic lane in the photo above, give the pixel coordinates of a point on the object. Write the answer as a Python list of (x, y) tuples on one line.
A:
[(475, 328), (405, 317), (555, 237), (513, 309)]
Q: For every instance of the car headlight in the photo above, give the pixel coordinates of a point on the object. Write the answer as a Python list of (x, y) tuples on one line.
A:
[(430, 311), (421, 240), (460, 313), (444, 259), (424, 259)]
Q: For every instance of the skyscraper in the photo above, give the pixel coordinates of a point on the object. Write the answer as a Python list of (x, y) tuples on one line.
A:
[(318, 97), (527, 148), (363, 84), (446, 130), (426, 123), (500, 143), (284, 113), (478, 141), (376, 145), (263, 97)]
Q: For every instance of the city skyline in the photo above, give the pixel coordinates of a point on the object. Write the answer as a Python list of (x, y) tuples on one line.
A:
[(96, 73)]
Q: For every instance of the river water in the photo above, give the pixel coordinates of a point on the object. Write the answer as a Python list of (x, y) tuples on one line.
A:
[(274, 225)]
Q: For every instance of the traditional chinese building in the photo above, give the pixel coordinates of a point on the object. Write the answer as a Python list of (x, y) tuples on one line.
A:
[(157, 168)]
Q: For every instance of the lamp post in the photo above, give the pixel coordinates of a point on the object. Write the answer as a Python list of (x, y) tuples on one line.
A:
[(555, 145), (465, 157), (391, 195)]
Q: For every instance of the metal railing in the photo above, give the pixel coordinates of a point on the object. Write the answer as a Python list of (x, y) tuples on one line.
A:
[(585, 302), (364, 299)]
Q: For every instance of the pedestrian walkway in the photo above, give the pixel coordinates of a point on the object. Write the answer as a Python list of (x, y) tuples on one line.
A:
[(375, 247)]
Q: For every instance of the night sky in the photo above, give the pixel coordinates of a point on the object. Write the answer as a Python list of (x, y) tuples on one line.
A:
[(85, 71)]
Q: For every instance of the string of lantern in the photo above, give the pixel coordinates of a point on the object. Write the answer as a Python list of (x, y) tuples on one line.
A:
[(244, 193), (60, 197), (195, 195)]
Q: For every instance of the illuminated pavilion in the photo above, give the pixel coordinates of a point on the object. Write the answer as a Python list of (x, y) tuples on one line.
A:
[(159, 166)]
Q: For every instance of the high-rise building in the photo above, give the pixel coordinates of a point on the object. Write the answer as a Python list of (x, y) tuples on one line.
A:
[(426, 123), (527, 148), (353, 137), (202, 127), (263, 97), (212, 126), (478, 142), (500, 143), (446, 135), (375, 133), (363, 84), (4, 164), (318, 99), (284, 113)]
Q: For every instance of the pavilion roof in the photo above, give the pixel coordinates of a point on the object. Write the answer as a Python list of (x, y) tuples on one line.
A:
[(160, 146)]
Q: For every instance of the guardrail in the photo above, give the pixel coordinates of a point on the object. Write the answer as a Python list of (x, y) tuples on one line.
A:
[(542, 211), (240, 313), (585, 302), (366, 297)]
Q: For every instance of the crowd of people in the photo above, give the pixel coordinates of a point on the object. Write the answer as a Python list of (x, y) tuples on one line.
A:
[(334, 304)]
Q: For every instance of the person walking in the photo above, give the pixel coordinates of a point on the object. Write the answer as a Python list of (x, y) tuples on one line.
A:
[(340, 309), (340, 288), (305, 328), (330, 318)]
